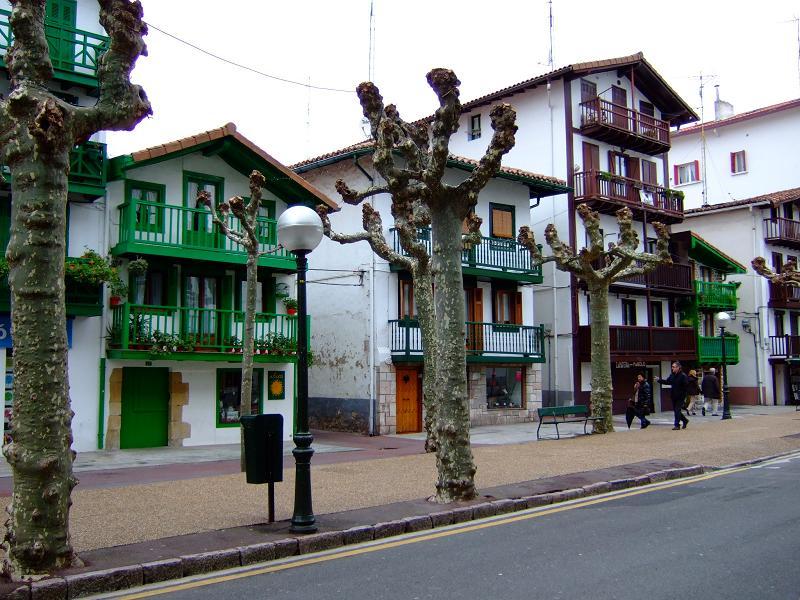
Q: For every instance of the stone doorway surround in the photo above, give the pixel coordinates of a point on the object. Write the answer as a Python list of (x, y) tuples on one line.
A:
[(178, 398)]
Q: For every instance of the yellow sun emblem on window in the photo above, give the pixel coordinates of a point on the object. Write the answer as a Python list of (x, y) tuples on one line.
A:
[(276, 388)]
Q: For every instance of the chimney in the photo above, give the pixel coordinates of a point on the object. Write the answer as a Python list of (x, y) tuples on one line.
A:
[(722, 109)]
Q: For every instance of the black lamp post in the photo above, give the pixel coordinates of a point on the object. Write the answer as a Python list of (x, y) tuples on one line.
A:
[(300, 231), (722, 319)]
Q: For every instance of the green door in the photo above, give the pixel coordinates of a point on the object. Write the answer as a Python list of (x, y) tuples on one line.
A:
[(145, 407), (60, 33)]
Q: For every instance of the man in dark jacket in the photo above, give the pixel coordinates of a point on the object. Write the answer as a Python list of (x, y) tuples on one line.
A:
[(710, 388), (679, 383)]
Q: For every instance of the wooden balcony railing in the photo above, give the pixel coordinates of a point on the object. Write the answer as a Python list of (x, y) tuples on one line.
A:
[(492, 254), (715, 295), (191, 333), (709, 349), (74, 53), (656, 343), (481, 340), (783, 232), (674, 277), (784, 296), (607, 193), (784, 346), (171, 230), (620, 125)]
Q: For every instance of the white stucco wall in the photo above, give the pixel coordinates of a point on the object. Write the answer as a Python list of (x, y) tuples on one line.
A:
[(772, 159)]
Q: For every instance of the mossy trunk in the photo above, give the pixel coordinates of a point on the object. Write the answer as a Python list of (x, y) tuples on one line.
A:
[(423, 296), (456, 467), (37, 537), (601, 396)]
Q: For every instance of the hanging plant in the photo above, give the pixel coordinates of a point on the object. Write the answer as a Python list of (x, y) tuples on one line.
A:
[(138, 266)]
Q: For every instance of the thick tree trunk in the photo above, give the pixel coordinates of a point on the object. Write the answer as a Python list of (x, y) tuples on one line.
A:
[(248, 344), (423, 296), (601, 358), (454, 460), (40, 454)]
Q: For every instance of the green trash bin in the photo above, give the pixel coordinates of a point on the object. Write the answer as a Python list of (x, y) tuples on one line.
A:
[(263, 448)]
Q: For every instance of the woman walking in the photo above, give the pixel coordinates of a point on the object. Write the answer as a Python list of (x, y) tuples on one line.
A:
[(693, 391)]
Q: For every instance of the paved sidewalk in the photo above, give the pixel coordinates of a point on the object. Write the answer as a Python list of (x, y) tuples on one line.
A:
[(222, 515)]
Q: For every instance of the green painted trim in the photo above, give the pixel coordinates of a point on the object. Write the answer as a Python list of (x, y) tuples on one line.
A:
[(118, 165), (216, 397), (287, 264), (230, 357), (159, 188), (506, 275), (189, 176), (101, 405), (713, 257)]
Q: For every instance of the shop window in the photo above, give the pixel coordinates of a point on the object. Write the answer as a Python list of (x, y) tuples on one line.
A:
[(229, 394), (504, 386), (502, 221)]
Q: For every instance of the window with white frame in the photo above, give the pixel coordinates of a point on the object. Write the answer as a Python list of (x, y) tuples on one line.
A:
[(738, 162), (474, 127), (687, 173)]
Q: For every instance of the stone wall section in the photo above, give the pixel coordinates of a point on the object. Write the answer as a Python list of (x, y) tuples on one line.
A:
[(178, 429), (114, 423), (387, 395)]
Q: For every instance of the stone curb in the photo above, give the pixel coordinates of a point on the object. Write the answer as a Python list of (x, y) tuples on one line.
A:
[(754, 461), (111, 580)]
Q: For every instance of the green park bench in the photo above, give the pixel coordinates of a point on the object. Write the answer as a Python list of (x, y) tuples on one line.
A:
[(564, 414)]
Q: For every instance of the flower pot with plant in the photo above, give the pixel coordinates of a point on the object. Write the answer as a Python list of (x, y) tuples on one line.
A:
[(291, 306), (137, 267)]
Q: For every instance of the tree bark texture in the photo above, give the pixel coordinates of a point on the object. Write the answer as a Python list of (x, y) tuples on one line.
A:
[(455, 464), (601, 358), (37, 132), (412, 158)]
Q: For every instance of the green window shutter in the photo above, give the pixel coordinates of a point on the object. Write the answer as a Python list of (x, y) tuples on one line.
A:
[(226, 300), (173, 286), (62, 11), (269, 295)]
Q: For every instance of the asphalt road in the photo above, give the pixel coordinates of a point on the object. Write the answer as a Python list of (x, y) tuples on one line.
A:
[(732, 536)]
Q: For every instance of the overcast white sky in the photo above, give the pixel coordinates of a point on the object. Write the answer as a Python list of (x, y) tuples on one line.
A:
[(750, 48)]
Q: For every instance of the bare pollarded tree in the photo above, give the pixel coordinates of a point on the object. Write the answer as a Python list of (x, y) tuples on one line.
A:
[(37, 132), (599, 267), (788, 275), (411, 159)]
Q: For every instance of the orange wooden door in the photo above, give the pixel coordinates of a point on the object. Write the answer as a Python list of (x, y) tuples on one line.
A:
[(409, 401)]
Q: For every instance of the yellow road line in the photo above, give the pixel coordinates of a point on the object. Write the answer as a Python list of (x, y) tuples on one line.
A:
[(430, 536)]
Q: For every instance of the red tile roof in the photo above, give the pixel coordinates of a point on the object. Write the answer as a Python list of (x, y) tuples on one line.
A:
[(745, 116), (773, 199), (229, 130)]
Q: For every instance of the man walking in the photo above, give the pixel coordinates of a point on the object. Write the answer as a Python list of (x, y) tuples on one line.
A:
[(679, 383), (710, 388)]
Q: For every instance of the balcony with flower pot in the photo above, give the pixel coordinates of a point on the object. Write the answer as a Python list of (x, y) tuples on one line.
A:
[(606, 193), (621, 126)]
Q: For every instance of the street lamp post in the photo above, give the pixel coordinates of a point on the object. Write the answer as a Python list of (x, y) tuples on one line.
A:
[(300, 231), (722, 319)]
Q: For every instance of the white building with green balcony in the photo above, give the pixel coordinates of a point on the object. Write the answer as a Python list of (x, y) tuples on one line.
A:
[(367, 349), (174, 344)]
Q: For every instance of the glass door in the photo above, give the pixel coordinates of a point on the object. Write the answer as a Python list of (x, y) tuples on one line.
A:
[(200, 301)]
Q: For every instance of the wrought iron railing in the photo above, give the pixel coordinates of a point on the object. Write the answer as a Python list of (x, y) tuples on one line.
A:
[(74, 53), (492, 253), (405, 337), (168, 330), (715, 294)]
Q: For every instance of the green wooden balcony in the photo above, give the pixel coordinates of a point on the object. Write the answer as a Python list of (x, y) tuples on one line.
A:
[(139, 331), (715, 295), (484, 342), (82, 300), (709, 349), (74, 53), (177, 231), (493, 257)]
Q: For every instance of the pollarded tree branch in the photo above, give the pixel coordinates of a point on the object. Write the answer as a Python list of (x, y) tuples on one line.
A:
[(789, 274), (372, 234), (643, 262), (354, 197), (28, 58), (527, 240), (220, 215), (445, 123), (121, 104), (503, 118)]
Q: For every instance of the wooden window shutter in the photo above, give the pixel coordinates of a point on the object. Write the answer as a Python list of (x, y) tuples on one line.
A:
[(518, 308), (477, 303), (675, 174), (733, 162), (634, 171), (612, 164), (268, 298), (697, 170), (502, 225), (173, 286)]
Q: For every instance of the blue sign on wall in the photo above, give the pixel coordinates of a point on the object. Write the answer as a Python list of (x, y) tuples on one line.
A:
[(5, 332)]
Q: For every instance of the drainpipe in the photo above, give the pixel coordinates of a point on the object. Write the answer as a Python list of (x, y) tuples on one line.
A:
[(757, 304), (372, 396), (553, 383), (101, 404)]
